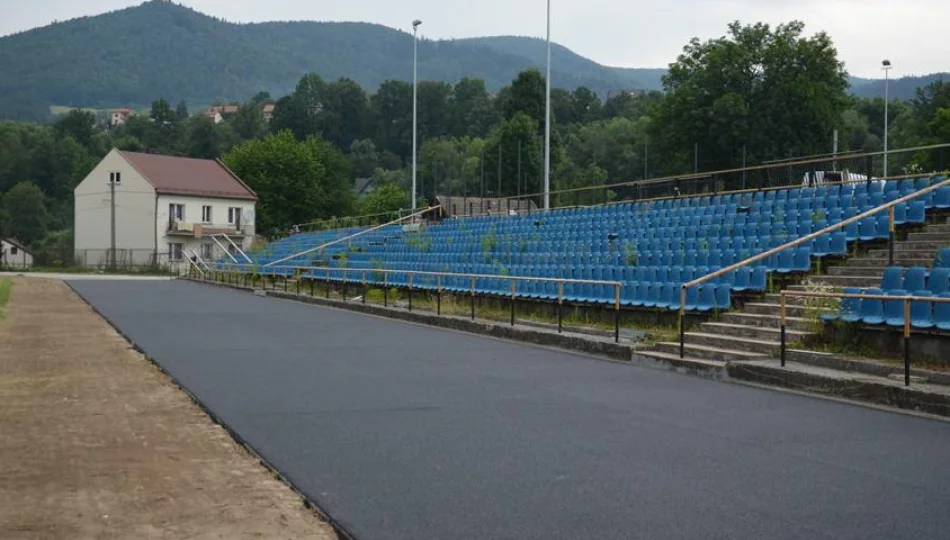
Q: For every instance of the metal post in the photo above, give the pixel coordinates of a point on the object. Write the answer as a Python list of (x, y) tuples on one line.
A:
[(298, 286), (512, 302), (547, 122), (890, 238), (906, 342), (415, 98), (328, 283), (438, 295), (616, 313), (782, 313), (560, 306), (410, 293), (473, 299), (112, 261), (312, 281), (345, 281), (386, 290), (683, 322), (364, 286), (286, 279)]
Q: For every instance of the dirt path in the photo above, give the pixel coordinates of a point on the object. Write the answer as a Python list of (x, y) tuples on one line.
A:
[(95, 442)]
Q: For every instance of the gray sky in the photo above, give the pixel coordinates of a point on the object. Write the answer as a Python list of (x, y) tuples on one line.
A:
[(632, 33)]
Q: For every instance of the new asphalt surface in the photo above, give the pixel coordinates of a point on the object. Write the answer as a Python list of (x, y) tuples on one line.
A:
[(400, 431)]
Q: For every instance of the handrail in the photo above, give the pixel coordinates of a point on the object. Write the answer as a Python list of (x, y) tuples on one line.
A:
[(349, 218), (799, 241), (617, 286), (350, 237), (705, 174), (907, 299)]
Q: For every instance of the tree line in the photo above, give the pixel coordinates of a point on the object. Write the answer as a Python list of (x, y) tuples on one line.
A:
[(760, 92)]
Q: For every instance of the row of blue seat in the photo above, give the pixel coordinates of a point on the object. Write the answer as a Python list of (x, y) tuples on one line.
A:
[(924, 314)]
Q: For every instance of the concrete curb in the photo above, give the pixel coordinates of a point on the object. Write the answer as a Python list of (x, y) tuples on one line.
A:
[(847, 386)]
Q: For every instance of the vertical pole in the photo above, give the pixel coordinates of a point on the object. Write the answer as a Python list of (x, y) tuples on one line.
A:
[(345, 282), (560, 306), (891, 230), (646, 159), (365, 290), (410, 293), (743, 166), (328, 283), (498, 193), (473, 299), (415, 106), (683, 322), (286, 279), (886, 119), (512, 302), (783, 321), (438, 308), (696, 157), (312, 281), (112, 261), (617, 313), (481, 164), (298, 286), (386, 290), (906, 341), (547, 122)]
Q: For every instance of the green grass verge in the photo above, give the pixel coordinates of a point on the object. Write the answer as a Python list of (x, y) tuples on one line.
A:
[(6, 285)]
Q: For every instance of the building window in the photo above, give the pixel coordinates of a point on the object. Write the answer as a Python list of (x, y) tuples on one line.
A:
[(206, 251), (206, 214), (115, 178), (13, 250), (174, 252), (234, 217)]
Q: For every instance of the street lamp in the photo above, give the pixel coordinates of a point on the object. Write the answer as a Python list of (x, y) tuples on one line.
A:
[(887, 68), (547, 123), (415, 94)]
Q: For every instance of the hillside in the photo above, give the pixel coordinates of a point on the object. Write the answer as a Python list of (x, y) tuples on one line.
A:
[(903, 88), (160, 49)]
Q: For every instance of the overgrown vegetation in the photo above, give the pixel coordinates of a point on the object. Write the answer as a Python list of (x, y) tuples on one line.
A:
[(6, 285)]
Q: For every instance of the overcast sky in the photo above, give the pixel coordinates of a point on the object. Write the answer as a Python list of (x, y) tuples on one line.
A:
[(633, 33)]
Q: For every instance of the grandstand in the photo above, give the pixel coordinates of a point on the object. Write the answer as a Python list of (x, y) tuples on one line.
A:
[(654, 247)]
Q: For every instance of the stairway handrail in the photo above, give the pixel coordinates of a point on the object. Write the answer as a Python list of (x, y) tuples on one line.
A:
[(807, 238), (352, 236)]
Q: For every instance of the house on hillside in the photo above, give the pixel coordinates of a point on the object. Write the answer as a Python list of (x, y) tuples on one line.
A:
[(166, 209), (13, 254), (268, 111), (118, 117), (214, 116)]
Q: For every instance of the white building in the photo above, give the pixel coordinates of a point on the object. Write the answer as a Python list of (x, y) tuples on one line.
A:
[(166, 209), (14, 255)]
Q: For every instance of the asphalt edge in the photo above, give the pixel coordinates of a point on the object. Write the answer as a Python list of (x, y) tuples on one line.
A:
[(308, 502)]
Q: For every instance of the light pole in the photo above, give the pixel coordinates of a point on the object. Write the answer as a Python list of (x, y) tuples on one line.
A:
[(547, 123), (415, 96), (887, 68)]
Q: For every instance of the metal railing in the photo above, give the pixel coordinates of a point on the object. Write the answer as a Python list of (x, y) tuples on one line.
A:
[(807, 238), (907, 327), (315, 273), (352, 236)]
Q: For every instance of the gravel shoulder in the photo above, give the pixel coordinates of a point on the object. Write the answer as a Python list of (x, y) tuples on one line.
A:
[(95, 442)]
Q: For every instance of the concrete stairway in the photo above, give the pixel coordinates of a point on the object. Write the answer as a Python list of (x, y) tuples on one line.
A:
[(753, 332)]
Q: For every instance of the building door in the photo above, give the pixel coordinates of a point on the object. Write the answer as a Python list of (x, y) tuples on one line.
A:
[(234, 217), (176, 214)]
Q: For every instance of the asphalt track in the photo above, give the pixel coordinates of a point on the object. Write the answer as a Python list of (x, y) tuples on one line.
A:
[(400, 431)]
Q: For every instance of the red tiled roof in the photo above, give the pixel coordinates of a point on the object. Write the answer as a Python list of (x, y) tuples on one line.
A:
[(171, 175)]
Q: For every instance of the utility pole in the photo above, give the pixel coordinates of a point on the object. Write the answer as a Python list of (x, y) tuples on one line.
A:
[(112, 179), (498, 194), (519, 170)]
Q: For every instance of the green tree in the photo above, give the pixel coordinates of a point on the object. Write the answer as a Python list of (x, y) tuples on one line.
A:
[(78, 124), (773, 91), (204, 141), (472, 111), (392, 109), (181, 111), (364, 157), (25, 213), (294, 179), (386, 197), (520, 172), (346, 115), (434, 109), (249, 122), (526, 95)]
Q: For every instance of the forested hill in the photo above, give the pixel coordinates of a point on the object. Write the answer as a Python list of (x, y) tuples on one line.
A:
[(160, 49)]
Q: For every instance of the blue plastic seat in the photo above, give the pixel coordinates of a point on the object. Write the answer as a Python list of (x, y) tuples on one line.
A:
[(872, 310), (894, 309), (850, 311), (893, 278), (921, 312), (707, 297), (942, 198), (942, 313), (939, 280), (786, 261), (915, 279), (723, 297), (942, 260)]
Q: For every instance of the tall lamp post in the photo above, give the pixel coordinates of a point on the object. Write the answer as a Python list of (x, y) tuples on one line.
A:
[(547, 123), (415, 96), (887, 68)]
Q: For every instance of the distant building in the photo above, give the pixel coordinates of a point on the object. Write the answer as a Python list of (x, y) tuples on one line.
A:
[(214, 116), (268, 111), (166, 208), (13, 254), (118, 117)]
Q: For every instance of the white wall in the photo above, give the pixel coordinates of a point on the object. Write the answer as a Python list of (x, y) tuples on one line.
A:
[(219, 219), (20, 259), (134, 214)]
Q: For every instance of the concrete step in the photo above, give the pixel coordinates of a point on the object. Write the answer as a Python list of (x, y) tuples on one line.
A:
[(790, 300), (902, 254), (768, 308), (915, 245), (760, 333), (855, 271), (733, 343), (713, 368), (899, 260), (704, 352), (942, 228), (765, 321), (927, 236), (849, 281)]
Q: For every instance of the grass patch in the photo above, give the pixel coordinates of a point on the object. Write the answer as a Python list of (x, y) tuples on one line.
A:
[(6, 285)]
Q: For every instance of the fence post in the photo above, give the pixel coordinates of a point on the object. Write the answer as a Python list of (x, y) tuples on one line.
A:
[(312, 281), (438, 295), (473, 299), (783, 322), (906, 341), (410, 293), (683, 322), (328, 284), (560, 306), (385, 289), (345, 282), (512, 301), (298, 286), (891, 230), (617, 313), (364, 286)]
